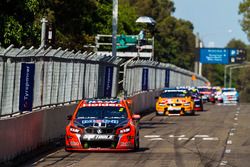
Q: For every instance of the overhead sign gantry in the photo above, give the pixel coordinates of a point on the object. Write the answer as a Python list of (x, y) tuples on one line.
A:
[(222, 55)]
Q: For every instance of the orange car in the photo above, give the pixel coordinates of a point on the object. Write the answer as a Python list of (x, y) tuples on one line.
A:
[(175, 102), (102, 125)]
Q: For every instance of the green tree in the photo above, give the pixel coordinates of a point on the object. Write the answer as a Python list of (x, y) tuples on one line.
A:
[(245, 12)]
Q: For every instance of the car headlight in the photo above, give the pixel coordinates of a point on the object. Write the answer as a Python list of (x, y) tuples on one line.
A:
[(124, 130), (74, 129), (187, 104)]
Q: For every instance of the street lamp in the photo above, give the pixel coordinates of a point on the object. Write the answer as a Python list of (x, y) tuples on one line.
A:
[(152, 22)]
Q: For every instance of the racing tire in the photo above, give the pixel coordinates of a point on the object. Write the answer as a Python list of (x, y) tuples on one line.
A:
[(137, 143)]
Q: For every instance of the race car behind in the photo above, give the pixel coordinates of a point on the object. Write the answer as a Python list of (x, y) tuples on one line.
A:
[(175, 102), (229, 95)]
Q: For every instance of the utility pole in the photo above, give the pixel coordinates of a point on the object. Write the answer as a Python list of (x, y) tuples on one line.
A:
[(43, 32), (114, 26), (200, 64), (197, 46)]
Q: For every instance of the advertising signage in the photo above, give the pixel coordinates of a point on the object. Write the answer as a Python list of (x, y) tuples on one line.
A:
[(222, 55)]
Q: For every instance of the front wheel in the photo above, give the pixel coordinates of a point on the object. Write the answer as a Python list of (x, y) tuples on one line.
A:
[(137, 143)]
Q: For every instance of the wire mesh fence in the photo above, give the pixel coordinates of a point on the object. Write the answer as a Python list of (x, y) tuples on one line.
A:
[(142, 75), (33, 78)]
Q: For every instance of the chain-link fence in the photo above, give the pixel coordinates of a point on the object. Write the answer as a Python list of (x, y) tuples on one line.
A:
[(143, 75), (33, 78)]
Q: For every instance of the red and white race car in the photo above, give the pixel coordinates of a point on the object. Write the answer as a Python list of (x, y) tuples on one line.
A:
[(102, 125)]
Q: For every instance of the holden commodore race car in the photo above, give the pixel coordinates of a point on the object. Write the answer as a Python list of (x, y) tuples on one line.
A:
[(175, 102), (229, 95), (198, 102), (102, 125), (207, 94)]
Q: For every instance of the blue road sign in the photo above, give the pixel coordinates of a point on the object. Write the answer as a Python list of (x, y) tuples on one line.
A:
[(214, 56), (222, 55)]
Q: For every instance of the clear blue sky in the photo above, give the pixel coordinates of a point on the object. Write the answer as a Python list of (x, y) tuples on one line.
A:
[(216, 21)]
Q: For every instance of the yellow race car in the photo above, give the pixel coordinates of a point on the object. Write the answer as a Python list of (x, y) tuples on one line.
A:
[(175, 102)]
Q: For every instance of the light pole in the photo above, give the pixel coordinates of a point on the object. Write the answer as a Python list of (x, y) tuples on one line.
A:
[(43, 32), (235, 67), (225, 73), (114, 26)]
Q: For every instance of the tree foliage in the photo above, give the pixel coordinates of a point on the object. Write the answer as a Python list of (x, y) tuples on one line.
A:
[(245, 12), (78, 22)]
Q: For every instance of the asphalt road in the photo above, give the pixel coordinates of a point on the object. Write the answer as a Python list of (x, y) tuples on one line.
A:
[(220, 136)]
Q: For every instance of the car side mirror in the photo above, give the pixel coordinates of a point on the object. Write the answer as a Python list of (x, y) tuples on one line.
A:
[(129, 101), (136, 117), (69, 117)]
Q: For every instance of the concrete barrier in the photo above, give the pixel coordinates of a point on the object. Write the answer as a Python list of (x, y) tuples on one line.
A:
[(144, 101), (25, 133)]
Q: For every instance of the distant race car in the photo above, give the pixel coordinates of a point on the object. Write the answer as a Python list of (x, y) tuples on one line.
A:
[(102, 125), (207, 94), (175, 102), (198, 102), (229, 95)]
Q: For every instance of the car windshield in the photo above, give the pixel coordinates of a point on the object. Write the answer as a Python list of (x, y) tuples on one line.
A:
[(204, 89), (172, 94), (102, 113), (228, 90)]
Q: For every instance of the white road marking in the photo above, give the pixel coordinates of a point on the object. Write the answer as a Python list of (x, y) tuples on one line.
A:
[(233, 129), (152, 139), (223, 163), (152, 136), (231, 134), (193, 138), (201, 136), (229, 142), (210, 138), (236, 114), (177, 136), (236, 124), (236, 118), (228, 151), (182, 138)]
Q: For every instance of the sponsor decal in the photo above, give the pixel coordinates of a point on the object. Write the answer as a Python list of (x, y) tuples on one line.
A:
[(107, 121), (26, 87), (126, 144), (167, 77), (144, 79), (102, 105), (108, 81), (98, 137)]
